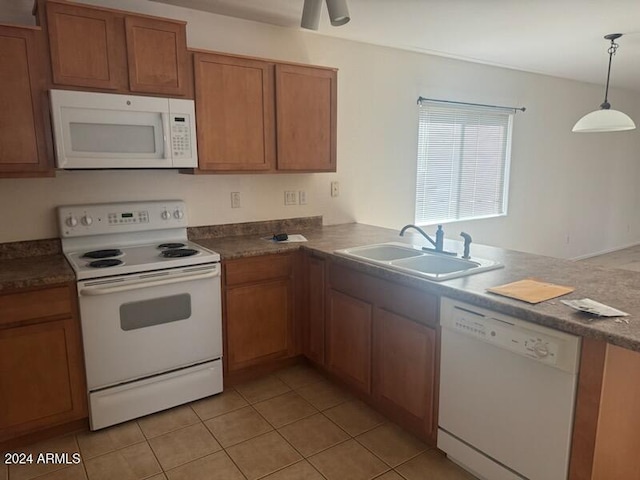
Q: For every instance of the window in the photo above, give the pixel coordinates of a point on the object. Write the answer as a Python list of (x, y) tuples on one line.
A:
[(463, 162)]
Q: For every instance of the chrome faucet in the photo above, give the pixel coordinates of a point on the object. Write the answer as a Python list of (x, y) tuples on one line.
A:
[(438, 243)]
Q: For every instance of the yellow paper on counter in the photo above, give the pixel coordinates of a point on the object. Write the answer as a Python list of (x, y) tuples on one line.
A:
[(531, 291)]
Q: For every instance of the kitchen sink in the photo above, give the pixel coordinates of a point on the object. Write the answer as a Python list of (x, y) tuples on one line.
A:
[(385, 252), (413, 260), (436, 264)]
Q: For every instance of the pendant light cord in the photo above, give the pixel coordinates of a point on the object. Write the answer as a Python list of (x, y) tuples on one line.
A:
[(612, 51)]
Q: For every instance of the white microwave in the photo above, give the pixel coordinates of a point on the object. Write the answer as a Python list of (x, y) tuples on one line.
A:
[(104, 130)]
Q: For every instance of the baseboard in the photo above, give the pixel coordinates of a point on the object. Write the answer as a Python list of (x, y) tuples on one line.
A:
[(604, 252)]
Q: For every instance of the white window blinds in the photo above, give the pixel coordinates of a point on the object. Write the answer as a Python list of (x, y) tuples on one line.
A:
[(463, 162)]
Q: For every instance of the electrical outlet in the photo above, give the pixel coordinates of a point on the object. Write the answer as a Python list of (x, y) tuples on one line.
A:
[(302, 197), (335, 189), (235, 199), (290, 197)]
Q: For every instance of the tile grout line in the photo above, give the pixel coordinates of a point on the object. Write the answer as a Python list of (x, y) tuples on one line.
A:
[(153, 452)]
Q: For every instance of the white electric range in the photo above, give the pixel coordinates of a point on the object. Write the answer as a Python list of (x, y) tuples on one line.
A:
[(150, 307)]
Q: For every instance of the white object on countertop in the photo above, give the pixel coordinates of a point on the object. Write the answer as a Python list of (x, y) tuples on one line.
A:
[(595, 308), (296, 237)]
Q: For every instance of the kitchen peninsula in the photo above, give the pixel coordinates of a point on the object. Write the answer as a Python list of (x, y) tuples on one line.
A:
[(601, 388)]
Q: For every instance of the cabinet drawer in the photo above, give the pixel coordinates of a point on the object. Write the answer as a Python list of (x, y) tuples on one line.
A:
[(258, 269), (34, 304)]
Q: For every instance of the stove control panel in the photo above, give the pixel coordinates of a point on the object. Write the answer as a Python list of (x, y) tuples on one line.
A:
[(107, 218)]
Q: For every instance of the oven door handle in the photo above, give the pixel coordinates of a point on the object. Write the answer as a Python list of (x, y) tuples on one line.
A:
[(91, 291)]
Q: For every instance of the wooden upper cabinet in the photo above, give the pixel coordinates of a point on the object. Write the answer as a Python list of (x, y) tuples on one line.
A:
[(234, 113), (24, 146), (157, 55), (86, 46), (306, 118), (111, 50)]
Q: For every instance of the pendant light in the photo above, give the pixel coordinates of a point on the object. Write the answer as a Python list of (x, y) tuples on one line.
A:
[(338, 13), (606, 119)]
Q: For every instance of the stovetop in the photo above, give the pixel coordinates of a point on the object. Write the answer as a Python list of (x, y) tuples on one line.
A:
[(129, 237), (139, 258)]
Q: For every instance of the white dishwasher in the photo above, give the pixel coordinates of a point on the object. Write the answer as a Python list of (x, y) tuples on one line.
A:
[(507, 394)]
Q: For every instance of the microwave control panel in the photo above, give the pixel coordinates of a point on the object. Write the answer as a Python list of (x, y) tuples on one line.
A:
[(181, 136)]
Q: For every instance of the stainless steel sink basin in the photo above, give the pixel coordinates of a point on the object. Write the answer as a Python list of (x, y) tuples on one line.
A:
[(413, 260), (436, 264), (385, 252)]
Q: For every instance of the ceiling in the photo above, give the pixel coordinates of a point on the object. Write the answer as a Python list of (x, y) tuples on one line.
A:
[(562, 38)]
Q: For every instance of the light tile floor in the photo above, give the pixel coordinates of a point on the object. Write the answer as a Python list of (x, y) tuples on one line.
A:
[(292, 425)]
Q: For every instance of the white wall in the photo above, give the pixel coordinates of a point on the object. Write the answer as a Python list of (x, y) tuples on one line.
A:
[(563, 186)]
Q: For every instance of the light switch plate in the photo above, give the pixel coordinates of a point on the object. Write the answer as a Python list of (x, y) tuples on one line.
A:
[(335, 189), (235, 199)]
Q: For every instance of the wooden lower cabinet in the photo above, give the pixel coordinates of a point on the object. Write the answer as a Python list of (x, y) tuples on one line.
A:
[(348, 339), (404, 371), (607, 423), (259, 311), (314, 311), (382, 341), (42, 382)]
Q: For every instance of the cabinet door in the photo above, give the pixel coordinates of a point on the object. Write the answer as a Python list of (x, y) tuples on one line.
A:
[(41, 377), (315, 297), (404, 370), (306, 118), (259, 323), (87, 47), (235, 113), (348, 339), (157, 55), (23, 116)]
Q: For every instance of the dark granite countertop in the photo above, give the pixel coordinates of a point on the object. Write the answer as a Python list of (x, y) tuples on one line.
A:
[(16, 273), (617, 288), (33, 263)]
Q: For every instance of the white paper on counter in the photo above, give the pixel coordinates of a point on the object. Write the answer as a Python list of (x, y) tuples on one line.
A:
[(296, 237), (595, 308)]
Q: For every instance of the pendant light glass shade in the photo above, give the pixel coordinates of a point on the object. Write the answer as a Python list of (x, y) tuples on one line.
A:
[(604, 121)]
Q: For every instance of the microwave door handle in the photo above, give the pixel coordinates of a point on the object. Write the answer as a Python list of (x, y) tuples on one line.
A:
[(166, 135), (92, 291)]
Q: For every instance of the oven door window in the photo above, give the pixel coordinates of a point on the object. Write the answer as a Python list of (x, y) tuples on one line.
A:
[(155, 311)]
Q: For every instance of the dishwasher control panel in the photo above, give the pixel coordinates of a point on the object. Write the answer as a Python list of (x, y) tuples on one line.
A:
[(503, 334), (545, 345)]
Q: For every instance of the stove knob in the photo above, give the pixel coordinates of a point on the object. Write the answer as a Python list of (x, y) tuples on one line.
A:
[(179, 214), (541, 350), (86, 220), (71, 221), (166, 215)]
